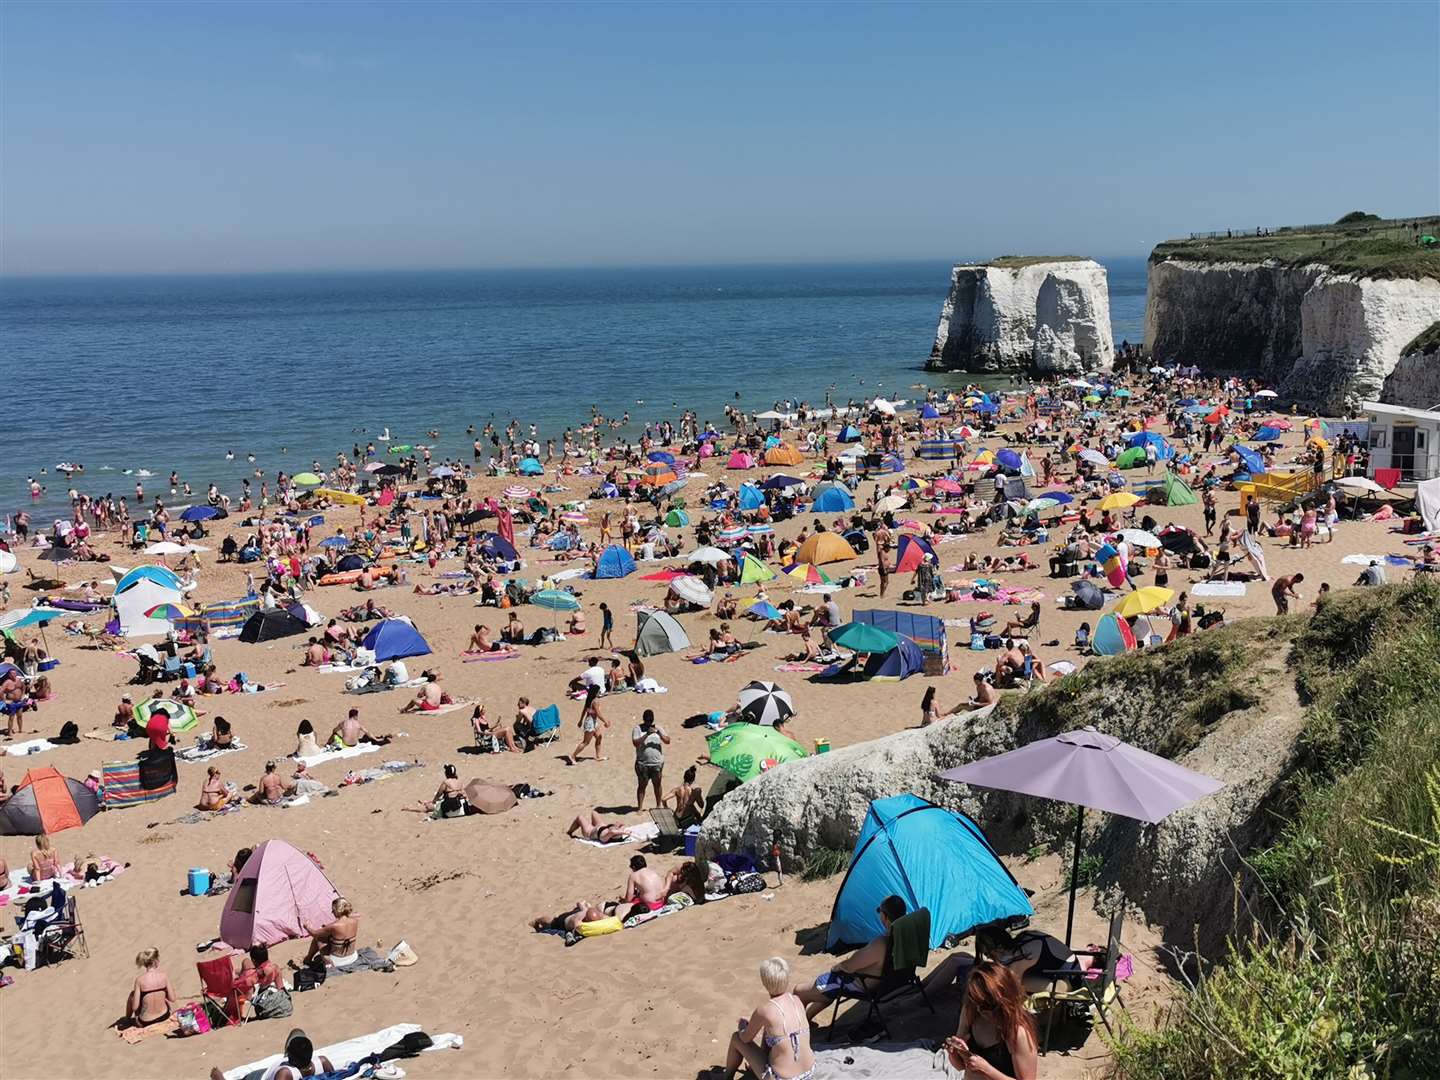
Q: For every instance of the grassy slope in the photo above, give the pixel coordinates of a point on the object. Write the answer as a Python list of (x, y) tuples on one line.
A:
[(1016, 262), (1345, 251), (1427, 341), (1340, 974)]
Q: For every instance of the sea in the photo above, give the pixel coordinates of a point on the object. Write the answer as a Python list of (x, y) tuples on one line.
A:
[(133, 375)]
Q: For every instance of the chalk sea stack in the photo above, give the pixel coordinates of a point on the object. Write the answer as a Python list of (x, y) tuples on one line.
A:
[(1025, 313)]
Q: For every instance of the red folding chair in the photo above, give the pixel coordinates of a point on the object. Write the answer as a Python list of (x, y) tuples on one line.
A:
[(217, 986)]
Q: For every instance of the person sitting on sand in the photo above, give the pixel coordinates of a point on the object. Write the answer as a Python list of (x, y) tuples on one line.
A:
[(690, 877), (315, 654), (575, 626), (871, 959), (568, 922), (514, 632), (124, 713), (644, 889), (351, 732), (687, 800), (809, 647), (430, 696), (480, 640), (257, 970), (449, 799), (152, 997), (727, 606), (271, 789), (592, 676), (782, 1027), (305, 744), (591, 826), (213, 795), (44, 860), (484, 729), (333, 945)]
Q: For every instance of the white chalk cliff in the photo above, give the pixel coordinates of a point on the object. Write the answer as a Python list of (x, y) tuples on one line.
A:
[(1051, 315), (1327, 340)]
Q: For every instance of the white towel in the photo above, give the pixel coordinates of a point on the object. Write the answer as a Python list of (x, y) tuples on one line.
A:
[(335, 755), (344, 1054), (1218, 588), (33, 746)]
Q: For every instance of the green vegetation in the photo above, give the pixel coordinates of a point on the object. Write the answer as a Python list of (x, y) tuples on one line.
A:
[(1339, 973), (1356, 217), (1370, 251), (1016, 262), (1427, 341), (824, 862)]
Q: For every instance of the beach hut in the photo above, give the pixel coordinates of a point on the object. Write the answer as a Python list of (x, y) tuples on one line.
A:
[(824, 547), (1112, 636), (47, 802), (658, 632), (392, 639), (272, 624), (277, 894), (739, 459), (140, 590), (1173, 491), (614, 562), (931, 858)]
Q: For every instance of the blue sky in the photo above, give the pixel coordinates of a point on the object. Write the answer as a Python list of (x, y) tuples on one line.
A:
[(216, 137)]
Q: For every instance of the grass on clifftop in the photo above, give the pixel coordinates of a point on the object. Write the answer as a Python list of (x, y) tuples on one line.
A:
[(1344, 251), (1017, 262), (1340, 974), (1427, 341)]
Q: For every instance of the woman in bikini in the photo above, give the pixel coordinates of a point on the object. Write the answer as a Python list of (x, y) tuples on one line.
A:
[(782, 1027), (152, 997), (449, 799), (213, 795), (591, 723), (334, 945), (591, 826), (687, 799), (44, 860), (996, 1036)]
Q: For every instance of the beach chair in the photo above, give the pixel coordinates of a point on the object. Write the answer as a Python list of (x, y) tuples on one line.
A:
[(63, 938), (878, 990), (1092, 994), (171, 669), (546, 725), (671, 835), (217, 988)]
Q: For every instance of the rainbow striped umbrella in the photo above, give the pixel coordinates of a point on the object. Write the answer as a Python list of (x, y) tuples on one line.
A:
[(516, 491), (574, 517), (760, 530), (807, 574), (733, 534), (169, 611)]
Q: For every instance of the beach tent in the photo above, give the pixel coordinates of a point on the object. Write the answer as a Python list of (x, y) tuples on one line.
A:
[(495, 546), (890, 463), (1141, 439), (910, 553), (780, 480), (926, 631), (272, 624), (1131, 458), (347, 563), (614, 562), (824, 547), (277, 894), (1112, 635), (1266, 434), (391, 639), (677, 518), (752, 570), (530, 467), (832, 500), (739, 459), (1427, 502), (138, 591), (751, 497), (848, 434), (47, 802), (1173, 491), (658, 632), (658, 474), (904, 660), (931, 858), (1252, 462), (1088, 595), (784, 454)]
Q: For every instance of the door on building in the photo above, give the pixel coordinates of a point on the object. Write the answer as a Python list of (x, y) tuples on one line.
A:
[(1402, 451)]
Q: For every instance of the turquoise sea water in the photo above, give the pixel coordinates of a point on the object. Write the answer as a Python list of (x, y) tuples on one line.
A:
[(165, 373)]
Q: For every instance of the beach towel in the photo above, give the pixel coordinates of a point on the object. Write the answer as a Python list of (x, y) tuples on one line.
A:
[(1218, 588), (639, 834), (197, 753), (480, 658), (346, 1053), (133, 1035), (32, 746), (335, 755), (458, 703), (882, 1061), (800, 665)]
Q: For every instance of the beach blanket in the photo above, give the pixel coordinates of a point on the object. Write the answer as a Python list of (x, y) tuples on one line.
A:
[(639, 834), (133, 1035), (458, 703), (882, 1061), (1383, 560), (366, 959), (800, 665), (335, 755), (1218, 588), (346, 1053), (32, 746), (566, 575), (21, 885), (198, 753), (480, 658)]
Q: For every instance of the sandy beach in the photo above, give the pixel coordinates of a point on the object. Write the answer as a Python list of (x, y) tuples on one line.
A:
[(659, 1000)]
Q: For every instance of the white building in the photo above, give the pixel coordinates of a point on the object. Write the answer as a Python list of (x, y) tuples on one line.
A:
[(1404, 439)]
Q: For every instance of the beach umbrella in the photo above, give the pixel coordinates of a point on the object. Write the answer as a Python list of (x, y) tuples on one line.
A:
[(530, 467), (555, 600), (441, 472), (1266, 393), (516, 491), (20, 618), (1144, 600), (692, 590), (710, 556), (335, 542), (1140, 538), (1094, 457), (1119, 500), (169, 611), (199, 513), (309, 479), (375, 466), (763, 609), (388, 469), (1040, 503), (1121, 393), (1157, 370), (1059, 497), (1091, 770), (176, 714), (734, 534), (658, 474), (890, 503), (863, 638), (807, 574), (780, 480), (762, 702), (575, 517), (661, 456), (747, 750), (489, 798), (1359, 483), (759, 530)]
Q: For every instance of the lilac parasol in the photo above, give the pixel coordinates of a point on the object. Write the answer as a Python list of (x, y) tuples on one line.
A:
[(1091, 770)]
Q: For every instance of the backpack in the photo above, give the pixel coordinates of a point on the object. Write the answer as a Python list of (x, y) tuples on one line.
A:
[(272, 1003), (308, 979)]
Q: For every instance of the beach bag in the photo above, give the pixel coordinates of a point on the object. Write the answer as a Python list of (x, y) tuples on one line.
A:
[(308, 979), (402, 955), (746, 883), (272, 1003), (192, 1020)]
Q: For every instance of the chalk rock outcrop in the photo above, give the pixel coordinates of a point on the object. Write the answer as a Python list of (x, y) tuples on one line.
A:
[(1416, 376), (1326, 340), (1025, 315)]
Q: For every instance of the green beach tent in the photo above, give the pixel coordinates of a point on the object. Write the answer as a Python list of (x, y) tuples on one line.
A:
[(753, 570), (1131, 459), (1175, 492)]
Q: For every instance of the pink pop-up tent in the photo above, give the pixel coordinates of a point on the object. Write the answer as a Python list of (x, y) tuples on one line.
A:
[(277, 894)]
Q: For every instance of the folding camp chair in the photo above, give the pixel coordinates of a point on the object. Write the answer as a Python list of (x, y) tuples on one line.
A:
[(217, 987), (671, 835), (877, 990), (65, 938), (546, 725), (1092, 994)]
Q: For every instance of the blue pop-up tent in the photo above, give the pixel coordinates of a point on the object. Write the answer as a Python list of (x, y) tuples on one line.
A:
[(497, 547), (391, 639), (832, 500), (1252, 462), (530, 467), (1163, 450), (614, 562), (930, 857), (1266, 434), (751, 497), (848, 434), (899, 663)]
